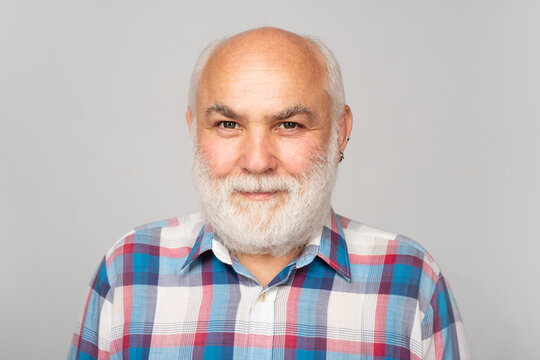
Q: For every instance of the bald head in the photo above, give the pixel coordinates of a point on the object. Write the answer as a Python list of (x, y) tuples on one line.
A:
[(276, 50), (267, 49), (270, 40)]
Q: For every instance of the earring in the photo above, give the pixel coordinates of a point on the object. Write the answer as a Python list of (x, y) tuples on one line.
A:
[(342, 155), (347, 138)]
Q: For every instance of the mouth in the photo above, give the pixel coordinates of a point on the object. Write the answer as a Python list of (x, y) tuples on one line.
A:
[(259, 195)]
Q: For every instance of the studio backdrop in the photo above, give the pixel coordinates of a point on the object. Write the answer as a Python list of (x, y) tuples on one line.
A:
[(444, 147)]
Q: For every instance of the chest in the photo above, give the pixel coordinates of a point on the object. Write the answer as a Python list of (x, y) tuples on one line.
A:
[(313, 314)]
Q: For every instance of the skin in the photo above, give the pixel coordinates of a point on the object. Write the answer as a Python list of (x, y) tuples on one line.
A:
[(262, 110)]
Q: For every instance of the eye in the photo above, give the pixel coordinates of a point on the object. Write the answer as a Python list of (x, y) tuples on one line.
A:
[(227, 124), (289, 125)]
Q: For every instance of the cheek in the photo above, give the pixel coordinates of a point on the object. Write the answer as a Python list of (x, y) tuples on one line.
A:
[(219, 157), (297, 157)]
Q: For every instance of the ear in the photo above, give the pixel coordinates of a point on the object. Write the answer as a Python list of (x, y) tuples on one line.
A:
[(345, 122), (189, 118)]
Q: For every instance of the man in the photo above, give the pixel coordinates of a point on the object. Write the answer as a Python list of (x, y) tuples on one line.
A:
[(269, 271)]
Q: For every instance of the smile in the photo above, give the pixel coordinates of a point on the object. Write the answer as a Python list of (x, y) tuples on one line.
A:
[(260, 196)]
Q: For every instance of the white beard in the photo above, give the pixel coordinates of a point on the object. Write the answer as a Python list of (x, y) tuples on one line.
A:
[(278, 226)]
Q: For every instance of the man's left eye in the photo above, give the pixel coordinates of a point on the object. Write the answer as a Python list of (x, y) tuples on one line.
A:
[(289, 125), (228, 124)]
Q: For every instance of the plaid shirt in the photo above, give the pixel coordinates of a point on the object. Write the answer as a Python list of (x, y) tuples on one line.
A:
[(170, 290)]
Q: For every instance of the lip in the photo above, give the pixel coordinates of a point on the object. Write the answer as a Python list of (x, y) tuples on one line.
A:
[(258, 195)]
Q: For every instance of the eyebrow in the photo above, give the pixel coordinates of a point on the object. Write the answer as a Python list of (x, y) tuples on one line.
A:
[(291, 111), (223, 110)]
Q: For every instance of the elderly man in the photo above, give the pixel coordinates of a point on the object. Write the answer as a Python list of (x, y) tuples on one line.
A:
[(268, 271)]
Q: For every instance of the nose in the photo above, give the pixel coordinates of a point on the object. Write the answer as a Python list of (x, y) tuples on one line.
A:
[(258, 154)]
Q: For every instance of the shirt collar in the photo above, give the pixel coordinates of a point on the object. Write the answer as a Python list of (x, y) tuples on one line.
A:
[(330, 247), (202, 244)]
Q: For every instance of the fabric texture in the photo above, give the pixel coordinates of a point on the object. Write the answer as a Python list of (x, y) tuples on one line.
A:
[(170, 290)]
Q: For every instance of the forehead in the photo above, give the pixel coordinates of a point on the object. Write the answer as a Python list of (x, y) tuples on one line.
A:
[(266, 65)]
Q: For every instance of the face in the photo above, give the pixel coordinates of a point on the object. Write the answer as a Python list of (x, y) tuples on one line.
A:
[(261, 115), (263, 130)]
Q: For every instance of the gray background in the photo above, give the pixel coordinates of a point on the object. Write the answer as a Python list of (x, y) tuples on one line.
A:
[(444, 148)]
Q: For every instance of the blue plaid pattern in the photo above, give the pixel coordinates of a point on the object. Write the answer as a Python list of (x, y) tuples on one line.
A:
[(170, 290)]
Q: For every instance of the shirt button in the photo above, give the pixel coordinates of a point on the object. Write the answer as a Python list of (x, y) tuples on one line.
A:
[(261, 297)]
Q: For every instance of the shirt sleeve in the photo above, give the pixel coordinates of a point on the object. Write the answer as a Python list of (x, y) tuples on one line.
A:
[(443, 334), (91, 339)]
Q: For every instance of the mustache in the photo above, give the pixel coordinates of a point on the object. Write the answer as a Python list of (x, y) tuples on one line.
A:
[(259, 183)]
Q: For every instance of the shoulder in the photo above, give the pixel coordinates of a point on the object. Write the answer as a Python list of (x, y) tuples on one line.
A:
[(169, 240), (370, 246), (170, 233)]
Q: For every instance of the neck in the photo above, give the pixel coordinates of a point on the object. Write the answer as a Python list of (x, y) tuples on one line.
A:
[(265, 267)]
